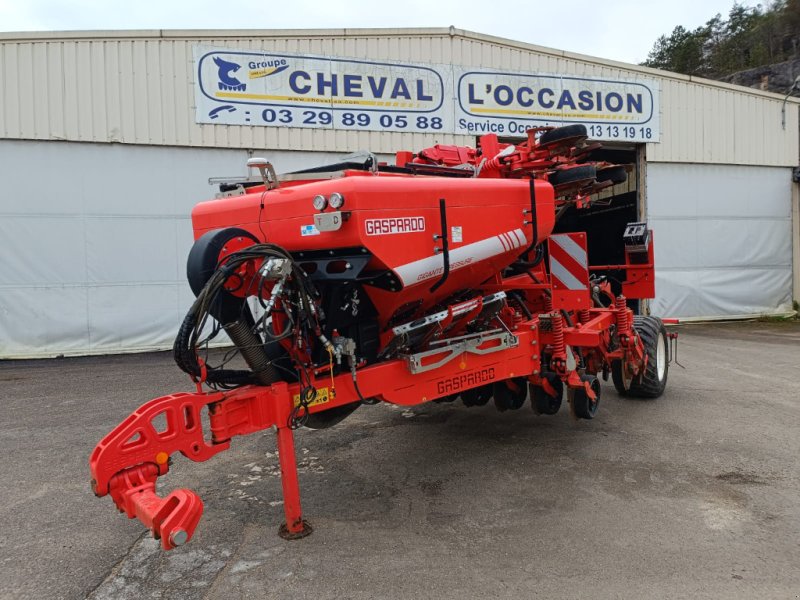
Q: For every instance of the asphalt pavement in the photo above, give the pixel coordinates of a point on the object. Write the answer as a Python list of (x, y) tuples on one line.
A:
[(693, 495)]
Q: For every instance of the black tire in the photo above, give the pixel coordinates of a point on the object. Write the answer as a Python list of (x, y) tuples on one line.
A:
[(586, 173), (328, 418), (478, 396), (621, 384), (202, 263), (563, 136), (652, 382), (510, 394), (615, 175), (543, 403), (204, 255), (584, 407)]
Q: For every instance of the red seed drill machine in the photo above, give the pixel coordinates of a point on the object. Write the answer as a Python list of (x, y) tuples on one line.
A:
[(436, 278)]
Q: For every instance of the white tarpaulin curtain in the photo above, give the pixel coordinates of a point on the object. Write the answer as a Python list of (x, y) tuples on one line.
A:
[(95, 239), (723, 239)]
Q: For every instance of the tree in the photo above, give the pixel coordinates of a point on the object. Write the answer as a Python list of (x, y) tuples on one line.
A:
[(681, 51), (749, 37)]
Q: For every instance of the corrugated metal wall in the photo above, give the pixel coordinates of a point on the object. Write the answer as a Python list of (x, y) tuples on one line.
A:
[(708, 124), (137, 87), (140, 91)]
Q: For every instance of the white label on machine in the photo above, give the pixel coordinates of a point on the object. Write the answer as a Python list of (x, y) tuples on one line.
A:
[(455, 235), (308, 230)]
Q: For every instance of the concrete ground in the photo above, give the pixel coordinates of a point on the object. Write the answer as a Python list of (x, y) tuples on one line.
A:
[(694, 495)]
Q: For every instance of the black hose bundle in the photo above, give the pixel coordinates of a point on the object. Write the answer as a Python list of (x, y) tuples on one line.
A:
[(233, 314)]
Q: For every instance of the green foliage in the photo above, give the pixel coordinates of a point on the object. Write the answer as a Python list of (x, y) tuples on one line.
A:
[(750, 37)]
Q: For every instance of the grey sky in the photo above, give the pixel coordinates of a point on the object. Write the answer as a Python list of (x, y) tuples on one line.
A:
[(616, 29)]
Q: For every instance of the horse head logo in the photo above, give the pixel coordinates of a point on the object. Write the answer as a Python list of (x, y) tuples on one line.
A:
[(226, 81)]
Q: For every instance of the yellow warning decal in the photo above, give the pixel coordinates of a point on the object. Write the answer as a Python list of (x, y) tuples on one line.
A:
[(322, 397)]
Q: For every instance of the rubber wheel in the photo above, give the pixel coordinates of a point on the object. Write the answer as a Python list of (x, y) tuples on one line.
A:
[(652, 382), (584, 407), (583, 173), (478, 396), (202, 263), (621, 381), (330, 417), (510, 394), (204, 255), (615, 175), (563, 136), (543, 403)]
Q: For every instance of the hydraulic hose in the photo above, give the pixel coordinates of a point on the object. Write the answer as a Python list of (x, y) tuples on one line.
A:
[(186, 359), (252, 349), (233, 313)]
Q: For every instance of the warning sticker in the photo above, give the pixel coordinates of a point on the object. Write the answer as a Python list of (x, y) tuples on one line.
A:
[(308, 230), (322, 397), (455, 235)]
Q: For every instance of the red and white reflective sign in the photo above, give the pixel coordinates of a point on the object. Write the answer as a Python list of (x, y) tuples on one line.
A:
[(569, 262), (569, 270)]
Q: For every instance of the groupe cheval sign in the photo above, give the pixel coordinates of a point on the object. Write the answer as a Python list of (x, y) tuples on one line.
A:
[(237, 87)]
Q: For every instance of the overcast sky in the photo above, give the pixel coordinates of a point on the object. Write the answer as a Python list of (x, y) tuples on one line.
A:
[(621, 30)]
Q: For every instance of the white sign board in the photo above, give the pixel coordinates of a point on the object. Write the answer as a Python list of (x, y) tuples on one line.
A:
[(291, 90), (509, 104), (237, 87)]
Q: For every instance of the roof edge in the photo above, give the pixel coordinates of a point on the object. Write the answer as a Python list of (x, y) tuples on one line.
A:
[(215, 33), (178, 34)]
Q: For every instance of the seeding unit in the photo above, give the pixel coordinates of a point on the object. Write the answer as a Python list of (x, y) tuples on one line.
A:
[(436, 278)]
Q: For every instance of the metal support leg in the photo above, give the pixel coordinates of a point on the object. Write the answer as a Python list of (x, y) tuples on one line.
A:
[(295, 527)]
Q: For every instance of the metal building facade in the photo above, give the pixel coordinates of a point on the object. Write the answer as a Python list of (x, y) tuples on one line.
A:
[(135, 90)]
